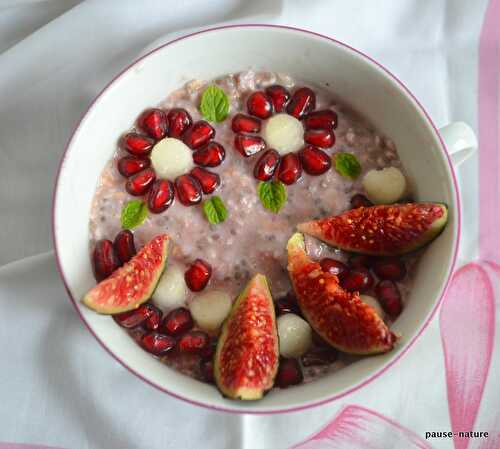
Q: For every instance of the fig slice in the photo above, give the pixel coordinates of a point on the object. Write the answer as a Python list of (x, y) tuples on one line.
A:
[(247, 354), (341, 318), (387, 230), (132, 284)]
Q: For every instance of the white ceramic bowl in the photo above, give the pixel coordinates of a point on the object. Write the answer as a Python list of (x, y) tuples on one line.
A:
[(360, 81)]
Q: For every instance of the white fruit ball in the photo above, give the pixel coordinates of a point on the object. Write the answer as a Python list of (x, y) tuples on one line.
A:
[(172, 290), (284, 133), (210, 309), (171, 158), (384, 186), (295, 335), (371, 301)]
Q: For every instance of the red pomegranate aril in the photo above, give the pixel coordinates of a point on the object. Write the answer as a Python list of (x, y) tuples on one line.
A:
[(210, 156), (290, 169), (289, 373), (157, 344), (260, 105), (193, 342), (105, 260), (177, 322), (153, 321), (130, 165), (198, 275), (207, 371), (361, 261), (303, 101), (209, 351), (314, 161), (335, 267), (325, 119), (188, 190), (248, 145), (279, 96), (161, 196), (266, 165), (359, 200), (287, 304), (134, 318), (199, 134), (322, 138), (124, 246), (245, 123), (137, 144), (141, 182), (209, 181), (154, 123), (319, 356), (179, 121), (390, 268), (357, 280), (389, 296)]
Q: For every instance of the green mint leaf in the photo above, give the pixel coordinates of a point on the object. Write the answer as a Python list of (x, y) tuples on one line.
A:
[(214, 104), (133, 214), (215, 210), (347, 165), (272, 195)]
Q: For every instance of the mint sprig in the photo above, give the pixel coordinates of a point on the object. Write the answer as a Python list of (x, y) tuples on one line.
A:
[(214, 104), (347, 165), (215, 210), (133, 214), (272, 195)]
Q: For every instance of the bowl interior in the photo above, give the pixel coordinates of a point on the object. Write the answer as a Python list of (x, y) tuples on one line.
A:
[(321, 61)]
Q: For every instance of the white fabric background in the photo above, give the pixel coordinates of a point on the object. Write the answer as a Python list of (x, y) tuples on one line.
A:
[(57, 386)]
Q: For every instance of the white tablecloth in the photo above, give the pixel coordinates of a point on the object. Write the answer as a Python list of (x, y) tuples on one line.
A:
[(57, 386)]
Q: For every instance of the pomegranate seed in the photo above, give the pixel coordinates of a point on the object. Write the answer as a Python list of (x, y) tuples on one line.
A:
[(314, 161), (209, 181), (207, 371), (248, 145), (319, 356), (361, 261), (389, 297), (245, 123), (198, 275), (178, 121), (390, 268), (287, 304), (289, 373), (209, 351), (325, 119), (154, 123), (124, 246), (193, 342), (279, 96), (105, 260), (335, 267), (161, 196), (137, 144), (359, 200), (134, 318), (177, 322), (266, 165), (210, 156), (357, 280), (188, 190), (199, 134), (153, 321), (141, 182), (157, 344), (322, 138), (260, 105), (129, 165), (290, 169), (303, 101)]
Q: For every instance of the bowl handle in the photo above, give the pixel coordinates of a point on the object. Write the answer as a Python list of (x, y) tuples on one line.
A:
[(460, 140)]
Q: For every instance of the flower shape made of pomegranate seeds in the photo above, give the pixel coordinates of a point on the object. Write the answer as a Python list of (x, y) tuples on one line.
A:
[(168, 148), (292, 130)]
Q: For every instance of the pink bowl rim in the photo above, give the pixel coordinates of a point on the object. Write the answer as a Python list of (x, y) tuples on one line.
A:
[(334, 397)]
